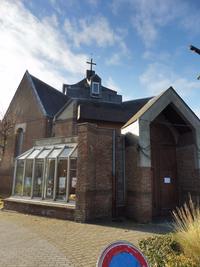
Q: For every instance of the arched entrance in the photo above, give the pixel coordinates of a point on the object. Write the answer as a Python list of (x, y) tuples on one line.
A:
[(164, 169)]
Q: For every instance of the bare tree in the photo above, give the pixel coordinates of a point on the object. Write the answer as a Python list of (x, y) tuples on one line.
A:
[(6, 128)]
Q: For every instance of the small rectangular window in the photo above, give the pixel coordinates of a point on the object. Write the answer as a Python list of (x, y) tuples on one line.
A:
[(95, 88)]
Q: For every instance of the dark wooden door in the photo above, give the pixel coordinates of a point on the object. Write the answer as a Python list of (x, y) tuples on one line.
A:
[(167, 180), (165, 193)]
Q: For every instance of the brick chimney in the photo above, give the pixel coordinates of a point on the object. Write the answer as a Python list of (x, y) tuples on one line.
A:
[(89, 74)]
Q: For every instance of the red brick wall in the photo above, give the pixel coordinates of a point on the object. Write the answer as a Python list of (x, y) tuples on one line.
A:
[(94, 186), (139, 187), (65, 128), (188, 174), (24, 108), (120, 175)]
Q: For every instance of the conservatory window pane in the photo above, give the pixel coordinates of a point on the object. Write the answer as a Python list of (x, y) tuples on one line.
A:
[(73, 178), (43, 154), (74, 154), (65, 153), (33, 154), (38, 178), (61, 179), (55, 152), (24, 155), (28, 178), (50, 178), (19, 177)]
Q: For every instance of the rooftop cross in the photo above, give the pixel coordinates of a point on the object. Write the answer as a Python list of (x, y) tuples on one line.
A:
[(91, 63)]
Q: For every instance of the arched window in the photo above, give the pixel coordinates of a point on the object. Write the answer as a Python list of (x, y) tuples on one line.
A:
[(19, 142)]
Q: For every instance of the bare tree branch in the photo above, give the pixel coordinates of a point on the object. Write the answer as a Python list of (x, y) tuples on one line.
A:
[(6, 129)]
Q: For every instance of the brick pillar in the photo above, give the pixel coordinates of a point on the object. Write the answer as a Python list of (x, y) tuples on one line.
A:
[(139, 187), (94, 172)]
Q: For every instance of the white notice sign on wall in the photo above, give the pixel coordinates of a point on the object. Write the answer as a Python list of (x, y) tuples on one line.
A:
[(167, 180)]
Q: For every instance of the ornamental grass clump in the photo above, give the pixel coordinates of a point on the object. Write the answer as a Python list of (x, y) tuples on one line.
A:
[(187, 230)]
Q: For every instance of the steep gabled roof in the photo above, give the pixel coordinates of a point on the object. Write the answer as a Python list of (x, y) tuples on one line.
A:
[(151, 103), (51, 99)]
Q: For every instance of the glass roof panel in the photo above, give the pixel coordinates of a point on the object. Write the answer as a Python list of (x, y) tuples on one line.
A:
[(50, 151), (34, 153), (65, 153), (74, 154), (44, 153), (55, 152), (24, 155)]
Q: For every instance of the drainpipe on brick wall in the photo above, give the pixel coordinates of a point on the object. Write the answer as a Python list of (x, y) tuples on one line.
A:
[(114, 174), (124, 170)]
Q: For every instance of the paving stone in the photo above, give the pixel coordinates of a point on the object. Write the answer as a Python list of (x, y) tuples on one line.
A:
[(33, 241)]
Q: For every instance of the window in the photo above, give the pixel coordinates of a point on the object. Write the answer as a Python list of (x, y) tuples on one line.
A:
[(19, 177), (50, 171), (38, 178), (95, 88), (28, 178), (19, 142), (72, 178), (47, 173), (61, 179)]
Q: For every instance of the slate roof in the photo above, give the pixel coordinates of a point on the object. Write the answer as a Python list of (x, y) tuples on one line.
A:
[(51, 99), (83, 83), (111, 112)]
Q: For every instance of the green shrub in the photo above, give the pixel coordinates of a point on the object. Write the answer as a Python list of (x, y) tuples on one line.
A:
[(164, 251), (157, 248), (179, 261)]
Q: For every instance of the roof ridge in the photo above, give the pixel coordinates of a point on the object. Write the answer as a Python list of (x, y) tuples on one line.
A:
[(138, 99), (29, 76)]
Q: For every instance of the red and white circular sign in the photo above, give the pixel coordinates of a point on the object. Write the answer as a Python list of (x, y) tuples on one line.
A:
[(121, 254)]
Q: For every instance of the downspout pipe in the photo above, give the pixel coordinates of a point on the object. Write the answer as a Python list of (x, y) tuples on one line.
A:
[(124, 169), (114, 174)]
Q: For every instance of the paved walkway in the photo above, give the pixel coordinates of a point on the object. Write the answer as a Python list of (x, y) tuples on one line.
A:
[(32, 241)]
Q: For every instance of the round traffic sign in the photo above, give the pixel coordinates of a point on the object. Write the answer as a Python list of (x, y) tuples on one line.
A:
[(121, 254)]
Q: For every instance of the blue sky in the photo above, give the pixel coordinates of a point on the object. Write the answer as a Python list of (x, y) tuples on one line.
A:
[(141, 47)]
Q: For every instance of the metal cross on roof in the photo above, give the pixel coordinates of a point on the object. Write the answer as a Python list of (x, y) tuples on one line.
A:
[(91, 63)]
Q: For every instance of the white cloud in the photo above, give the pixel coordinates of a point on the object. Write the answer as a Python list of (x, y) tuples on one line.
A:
[(91, 30), (197, 111), (111, 84), (37, 45), (97, 31), (149, 16), (115, 59), (93, 2), (159, 77)]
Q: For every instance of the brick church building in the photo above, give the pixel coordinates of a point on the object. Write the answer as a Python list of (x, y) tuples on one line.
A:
[(84, 154)]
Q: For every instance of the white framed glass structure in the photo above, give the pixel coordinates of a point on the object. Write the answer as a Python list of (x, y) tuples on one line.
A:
[(47, 173)]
